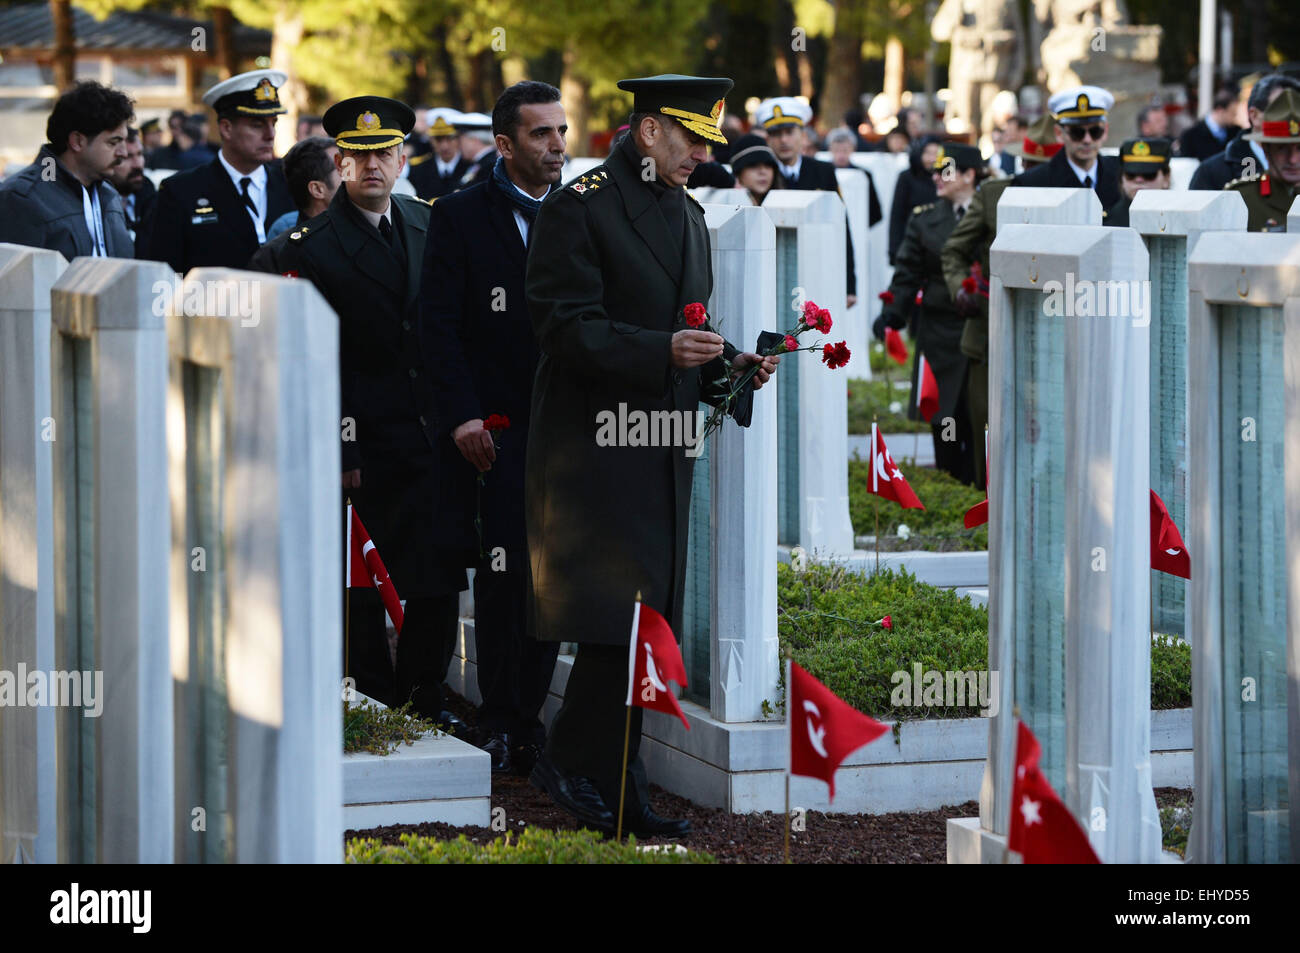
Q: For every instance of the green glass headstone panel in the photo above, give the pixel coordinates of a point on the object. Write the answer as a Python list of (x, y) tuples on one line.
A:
[(697, 625), (206, 749), (1169, 413), (1253, 567), (75, 638), (787, 424), (1039, 556)]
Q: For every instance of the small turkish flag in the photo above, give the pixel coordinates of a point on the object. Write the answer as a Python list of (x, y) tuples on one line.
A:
[(823, 729), (1168, 554), (927, 398), (977, 515), (886, 480), (654, 658), (895, 346), (1043, 831), (366, 570)]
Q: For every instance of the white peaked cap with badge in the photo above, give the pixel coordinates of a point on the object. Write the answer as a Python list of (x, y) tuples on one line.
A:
[(470, 121), (255, 92), (1081, 104), (783, 111), (442, 121)]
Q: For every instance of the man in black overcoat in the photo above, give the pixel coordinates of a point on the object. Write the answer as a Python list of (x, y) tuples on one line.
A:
[(1081, 127), (364, 253), (474, 318), (614, 257), (218, 213)]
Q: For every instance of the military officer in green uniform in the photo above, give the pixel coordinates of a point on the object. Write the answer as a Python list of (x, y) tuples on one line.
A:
[(1269, 196), (364, 254), (613, 260), (957, 170), (968, 245), (1144, 164)]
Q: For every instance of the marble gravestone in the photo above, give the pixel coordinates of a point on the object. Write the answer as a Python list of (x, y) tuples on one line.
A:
[(855, 328), (28, 432), (1169, 223), (109, 382), (813, 504), (257, 554), (1244, 612)]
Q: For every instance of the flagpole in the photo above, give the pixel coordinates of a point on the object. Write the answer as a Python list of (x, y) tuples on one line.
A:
[(916, 402), (789, 751), (875, 486), (347, 592), (627, 724)]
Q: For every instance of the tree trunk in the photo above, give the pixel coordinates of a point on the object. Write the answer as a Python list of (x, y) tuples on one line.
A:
[(782, 23), (895, 68), (474, 97), (454, 98), (65, 45), (843, 84), (573, 96), (223, 42), (286, 34)]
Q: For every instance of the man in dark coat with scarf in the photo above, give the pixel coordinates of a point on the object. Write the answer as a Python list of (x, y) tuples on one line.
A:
[(474, 318), (614, 259)]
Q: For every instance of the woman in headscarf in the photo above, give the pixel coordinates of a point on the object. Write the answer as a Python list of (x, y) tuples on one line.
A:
[(754, 165), (912, 189)]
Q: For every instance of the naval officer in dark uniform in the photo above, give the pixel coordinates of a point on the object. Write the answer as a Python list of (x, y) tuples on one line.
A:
[(218, 213), (438, 172), (364, 253), (1080, 114), (614, 258)]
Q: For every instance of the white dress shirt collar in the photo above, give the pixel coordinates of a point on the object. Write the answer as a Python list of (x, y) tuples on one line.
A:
[(1081, 172), (374, 217)]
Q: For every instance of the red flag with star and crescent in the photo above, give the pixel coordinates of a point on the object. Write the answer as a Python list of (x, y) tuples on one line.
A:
[(927, 394), (366, 570), (885, 479), (895, 346), (1168, 554), (654, 658), (1043, 831), (824, 730)]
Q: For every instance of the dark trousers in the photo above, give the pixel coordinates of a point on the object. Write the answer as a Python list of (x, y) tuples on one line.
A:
[(977, 400), (586, 738), (955, 456), (424, 651), (366, 645), (514, 671)]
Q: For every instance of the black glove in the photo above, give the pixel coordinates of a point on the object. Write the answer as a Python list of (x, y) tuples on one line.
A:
[(742, 411), (887, 319)]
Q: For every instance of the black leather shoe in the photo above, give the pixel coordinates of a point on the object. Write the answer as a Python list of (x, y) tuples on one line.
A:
[(576, 795), (524, 757), (498, 748), (451, 724), (646, 823)]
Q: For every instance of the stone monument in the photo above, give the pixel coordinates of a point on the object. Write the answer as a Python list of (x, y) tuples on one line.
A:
[(988, 55)]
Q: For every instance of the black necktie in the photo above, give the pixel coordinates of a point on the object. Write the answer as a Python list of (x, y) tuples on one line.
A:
[(961, 210), (386, 229), (244, 183), (1087, 181)]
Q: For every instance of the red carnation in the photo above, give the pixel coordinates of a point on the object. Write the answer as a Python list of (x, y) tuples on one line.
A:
[(919, 294), (836, 355), (810, 310), (887, 296), (496, 422), (887, 622), (968, 285), (695, 314), (790, 343), (824, 321)]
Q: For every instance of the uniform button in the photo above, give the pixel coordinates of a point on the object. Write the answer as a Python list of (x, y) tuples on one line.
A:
[(406, 325), (677, 378), (422, 421), (413, 372)]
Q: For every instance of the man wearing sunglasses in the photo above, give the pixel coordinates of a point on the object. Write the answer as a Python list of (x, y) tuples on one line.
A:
[(1080, 115), (1144, 164)]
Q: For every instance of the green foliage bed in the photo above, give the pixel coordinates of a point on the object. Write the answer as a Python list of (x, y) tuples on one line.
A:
[(533, 846), (827, 618), (877, 396), (938, 527)]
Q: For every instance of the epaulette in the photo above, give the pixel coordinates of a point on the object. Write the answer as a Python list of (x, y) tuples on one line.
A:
[(590, 182), (298, 234), (1242, 180), (918, 209), (694, 199), (431, 201), (416, 160)]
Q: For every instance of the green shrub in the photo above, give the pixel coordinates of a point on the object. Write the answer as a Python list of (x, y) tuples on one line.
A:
[(937, 527), (533, 846), (378, 730), (827, 615), (1175, 825), (867, 397)]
